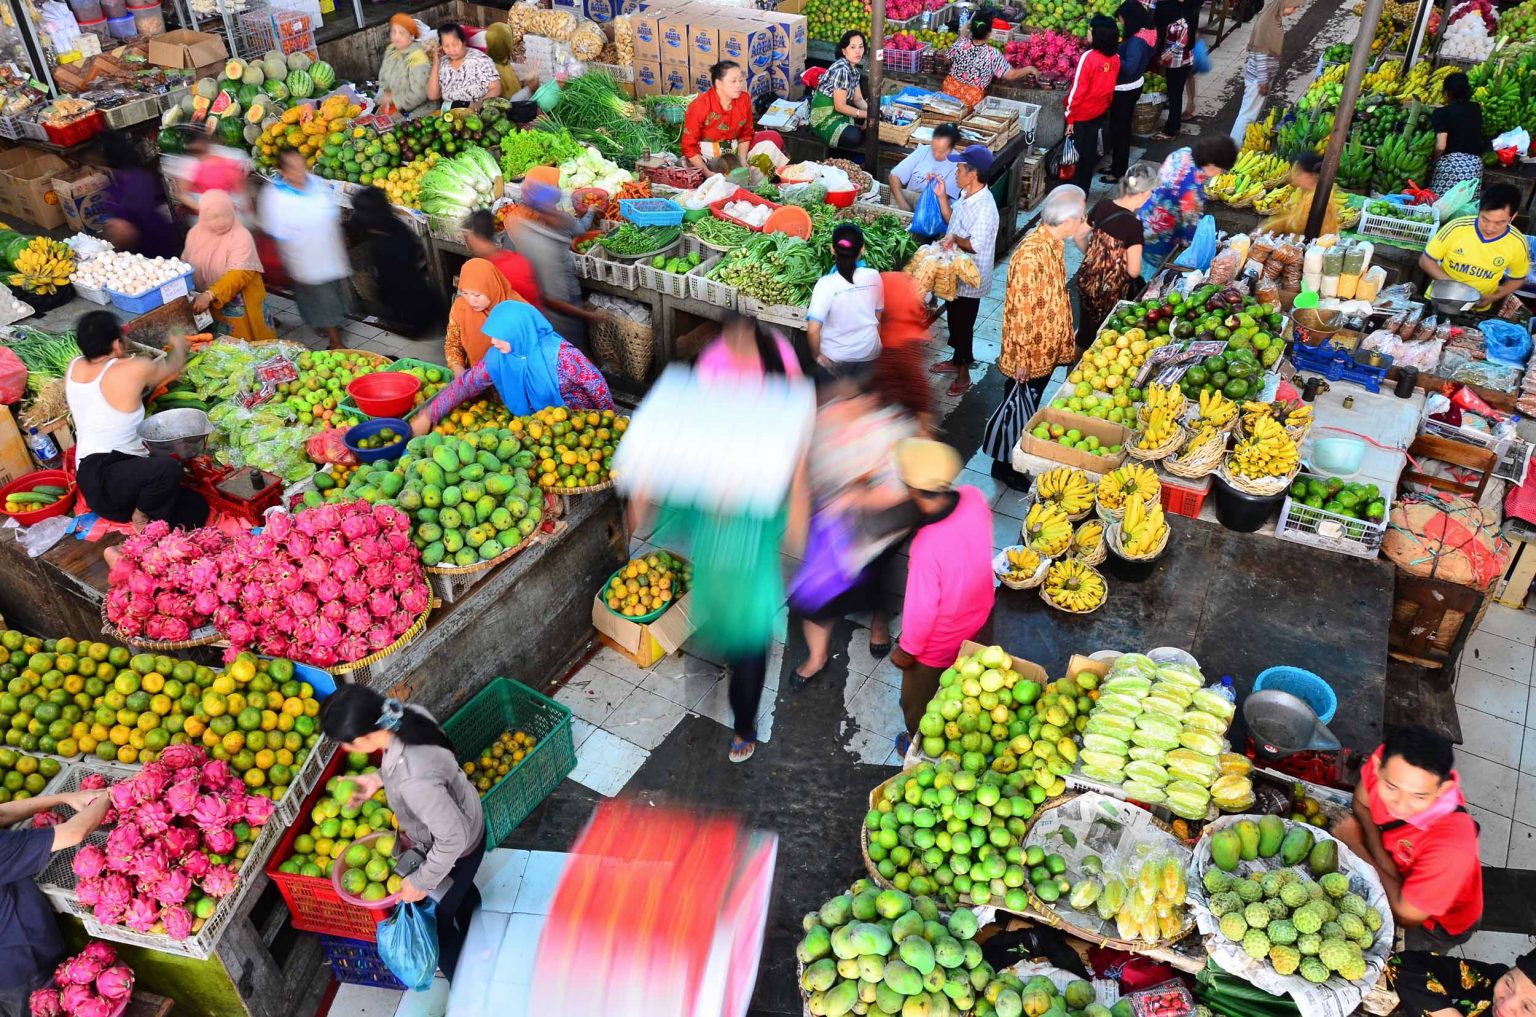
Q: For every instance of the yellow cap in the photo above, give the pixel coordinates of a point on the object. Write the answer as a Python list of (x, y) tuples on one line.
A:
[(927, 465)]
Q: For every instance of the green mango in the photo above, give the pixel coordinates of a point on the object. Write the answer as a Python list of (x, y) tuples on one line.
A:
[(816, 945), (918, 952), (1296, 846), (1271, 834)]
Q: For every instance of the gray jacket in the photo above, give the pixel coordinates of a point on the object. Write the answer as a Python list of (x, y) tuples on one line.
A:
[(436, 806)]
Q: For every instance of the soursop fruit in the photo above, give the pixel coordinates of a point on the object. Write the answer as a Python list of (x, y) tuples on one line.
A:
[(1294, 895), (1249, 890), (1308, 919), (1225, 903), (1256, 944), (1336, 953), (1234, 927), (1372, 919), (1216, 881), (1257, 916), (1281, 932), (1314, 970), (1309, 944), (1286, 959), (1335, 884)]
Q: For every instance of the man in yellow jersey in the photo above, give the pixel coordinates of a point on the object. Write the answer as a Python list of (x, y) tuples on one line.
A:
[(1484, 251)]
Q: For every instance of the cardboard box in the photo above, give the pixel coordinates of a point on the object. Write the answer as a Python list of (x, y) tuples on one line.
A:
[(749, 43), (703, 43), (700, 76), (760, 86), (647, 77), (673, 39), (82, 199), (781, 83), (15, 460), (789, 36), (676, 78), (1107, 433), (183, 48), (647, 31), (644, 644), (31, 183)]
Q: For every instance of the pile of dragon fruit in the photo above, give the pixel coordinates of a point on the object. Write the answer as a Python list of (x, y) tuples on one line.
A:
[(901, 10), (329, 585), (92, 983), (162, 586), (171, 846), (1052, 54)]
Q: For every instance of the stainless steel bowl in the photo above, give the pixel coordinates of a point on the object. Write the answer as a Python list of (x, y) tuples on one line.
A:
[(1452, 297), (181, 433)]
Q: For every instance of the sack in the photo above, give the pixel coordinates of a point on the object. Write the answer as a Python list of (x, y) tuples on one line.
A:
[(408, 944), (928, 217), (828, 571), (330, 446), (1202, 248)]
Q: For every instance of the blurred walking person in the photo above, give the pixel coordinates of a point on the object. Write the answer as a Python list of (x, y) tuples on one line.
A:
[(299, 211)]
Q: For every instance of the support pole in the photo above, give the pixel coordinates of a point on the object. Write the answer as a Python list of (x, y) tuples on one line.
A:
[(36, 54), (872, 92), (1345, 114), (1417, 34)]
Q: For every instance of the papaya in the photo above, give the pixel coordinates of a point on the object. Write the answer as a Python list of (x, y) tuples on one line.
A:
[(1226, 849), (1248, 838), (1296, 846), (1323, 858), (1271, 833)]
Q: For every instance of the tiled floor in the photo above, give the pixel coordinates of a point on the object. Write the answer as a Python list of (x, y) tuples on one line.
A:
[(1497, 756)]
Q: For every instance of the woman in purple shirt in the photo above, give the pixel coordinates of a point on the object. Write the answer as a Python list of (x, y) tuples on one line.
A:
[(138, 219)]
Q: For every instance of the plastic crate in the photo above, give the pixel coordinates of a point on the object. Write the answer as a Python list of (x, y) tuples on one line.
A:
[(673, 284), (624, 274), (77, 131), (94, 296), (1330, 531), (717, 209), (708, 290), (651, 211), (1467, 435), (777, 314), (313, 903), (1184, 497), (157, 297), (357, 962), (905, 61), (504, 705), (1401, 231), (308, 772), (135, 112)]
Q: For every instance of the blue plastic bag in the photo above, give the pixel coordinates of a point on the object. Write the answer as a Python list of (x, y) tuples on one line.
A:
[(1202, 247), (1505, 342), (928, 217), (408, 944), (1202, 54)]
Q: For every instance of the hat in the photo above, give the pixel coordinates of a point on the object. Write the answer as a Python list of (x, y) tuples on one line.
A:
[(927, 465), (975, 156), (540, 196)]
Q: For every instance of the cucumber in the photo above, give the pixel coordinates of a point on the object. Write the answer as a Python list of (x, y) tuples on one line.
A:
[(31, 498), (52, 489)]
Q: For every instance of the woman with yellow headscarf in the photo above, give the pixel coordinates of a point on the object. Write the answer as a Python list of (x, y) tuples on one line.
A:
[(498, 46), (1293, 217)]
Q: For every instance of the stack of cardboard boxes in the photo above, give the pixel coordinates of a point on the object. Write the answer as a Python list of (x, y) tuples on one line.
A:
[(677, 41)]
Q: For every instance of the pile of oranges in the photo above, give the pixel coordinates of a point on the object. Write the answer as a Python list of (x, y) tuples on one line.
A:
[(499, 759), (572, 448), (305, 129)]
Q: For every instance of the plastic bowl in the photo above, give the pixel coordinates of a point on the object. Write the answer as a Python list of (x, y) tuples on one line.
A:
[(1337, 456), (1310, 688), (337, 869), (841, 199), (55, 478), (384, 393), (368, 429)]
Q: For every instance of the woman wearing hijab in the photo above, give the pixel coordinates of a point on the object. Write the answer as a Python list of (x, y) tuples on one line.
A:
[(481, 288), (405, 69), (227, 270), (498, 46), (1264, 48), (392, 267), (1138, 39), (528, 364)]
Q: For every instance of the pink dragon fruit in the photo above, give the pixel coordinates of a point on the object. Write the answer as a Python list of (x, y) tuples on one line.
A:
[(149, 863), (216, 775), (357, 619), (103, 952), (379, 574), (353, 646), (141, 915), (415, 600), (398, 542), (211, 811), (94, 1006), (122, 844), (115, 890), (334, 611), (218, 881), (355, 590), (122, 795), (205, 602), (93, 782), (345, 567), (303, 603), (173, 887), (220, 842), (82, 970), (331, 544), (322, 656), (327, 634), (178, 840), (89, 861), (381, 603), (109, 912), (352, 527), (154, 818), (196, 864), (43, 820), (328, 589), (239, 632), (177, 757), (399, 622), (379, 637), (74, 994), (369, 551), (258, 810), (177, 921), (181, 797), (288, 580), (88, 891), (46, 1003), (278, 525), (299, 546)]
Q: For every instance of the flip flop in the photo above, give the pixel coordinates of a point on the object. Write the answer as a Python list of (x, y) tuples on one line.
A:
[(741, 750), (903, 743), (960, 385), (945, 367)]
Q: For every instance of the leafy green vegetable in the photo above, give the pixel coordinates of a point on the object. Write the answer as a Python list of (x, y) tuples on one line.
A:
[(46, 354), (596, 113), (523, 150), (630, 239), (719, 233), (774, 268)]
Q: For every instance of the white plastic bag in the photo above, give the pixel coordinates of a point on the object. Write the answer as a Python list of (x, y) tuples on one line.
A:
[(1517, 138)]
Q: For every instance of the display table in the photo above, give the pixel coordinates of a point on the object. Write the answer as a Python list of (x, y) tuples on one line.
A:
[(1240, 603)]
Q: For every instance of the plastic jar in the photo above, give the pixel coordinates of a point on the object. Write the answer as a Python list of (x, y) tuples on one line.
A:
[(114, 8), (86, 10), (148, 18), (122, 28), (98, 28)]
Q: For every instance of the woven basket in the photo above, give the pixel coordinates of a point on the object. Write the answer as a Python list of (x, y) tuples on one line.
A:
[(1112, 539), (1145, 119), (1000, 569), (1202, 464), (1050, 916), (1068, 610), (1148, 455), (589, 489), (205, 636), (635, 345), (1259, 488), (451, 583), (1094, 557), (405, 640)]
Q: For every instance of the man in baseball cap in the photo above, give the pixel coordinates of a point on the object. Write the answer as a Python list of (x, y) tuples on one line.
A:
[(973, 225)]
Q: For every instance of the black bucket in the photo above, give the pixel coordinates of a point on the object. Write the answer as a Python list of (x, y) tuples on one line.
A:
[(1129, 570), (1245, 513)]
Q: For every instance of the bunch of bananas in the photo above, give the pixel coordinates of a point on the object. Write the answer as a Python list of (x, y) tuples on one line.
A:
[(1204, 438), (1501, 97), (1143, 529), (1348, 214), (1216, 410), (1254, 173), (1046, 529), (1267, 451), (1288, 414), (1298, 415), (1022, 563), (1260, 134), (1088, 538), (1071, 585), (1170, 398), (1402, 158), (1067, 487), (1160, 428), (1307, 132), (1274, 201), (1133, 480), (1234, 189), (1325, 89), (43, 266), (1356, 166)]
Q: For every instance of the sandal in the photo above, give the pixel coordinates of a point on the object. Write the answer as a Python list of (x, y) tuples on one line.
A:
[(944, 367), (903, 743), (741, 749), (960, 385), (798, 681), (880, 651)]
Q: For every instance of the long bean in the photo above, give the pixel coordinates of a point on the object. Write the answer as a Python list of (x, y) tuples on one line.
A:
[(719, 233), (774, 268)]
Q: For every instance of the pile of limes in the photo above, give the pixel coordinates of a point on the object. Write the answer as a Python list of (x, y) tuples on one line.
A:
[(499, 759), (332, 829), (574, 448)]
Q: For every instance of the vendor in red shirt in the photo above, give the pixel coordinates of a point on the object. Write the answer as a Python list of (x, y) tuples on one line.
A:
[(480, 240), (717, 129), (1411, 823)]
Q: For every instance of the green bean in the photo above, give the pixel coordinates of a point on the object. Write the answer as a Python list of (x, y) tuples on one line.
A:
[(632, 239), (718, 233)]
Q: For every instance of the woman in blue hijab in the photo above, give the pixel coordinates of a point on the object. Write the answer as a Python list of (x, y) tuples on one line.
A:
[(530, 367)]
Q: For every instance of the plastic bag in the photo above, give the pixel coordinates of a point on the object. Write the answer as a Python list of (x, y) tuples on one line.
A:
[(1202, 55), (1061, 160), (13, 376), (927, 218), (1202, 248), (408, 944), (1451, 201), (1506, 343)]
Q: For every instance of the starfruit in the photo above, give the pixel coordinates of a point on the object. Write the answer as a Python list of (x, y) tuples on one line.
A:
[(1199, 720), (1136, 791), (1187, 799), (1112, 899), (1213, 703), (1202, 741), (1171, 880), (1085, 893), (1169, 690), (1169, 925), (1146, 773), (1234, 763)]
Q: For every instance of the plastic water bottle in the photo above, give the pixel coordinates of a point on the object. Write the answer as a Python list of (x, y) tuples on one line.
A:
[(43, 449), (1226, 689)]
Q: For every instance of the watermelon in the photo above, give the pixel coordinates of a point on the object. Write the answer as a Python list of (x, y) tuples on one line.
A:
[(246, 94), (232, 131), (300, 85), (276, 89), (323, 75)]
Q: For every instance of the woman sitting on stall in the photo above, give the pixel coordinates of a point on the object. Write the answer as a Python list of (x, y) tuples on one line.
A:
[(105, 387), (1293, 217), (717, 129), (839, 111), (976, 63), (405, 69), (529, 365), (227, 270), (461, 76), (1111, 240), (481, 288), (499, 46)]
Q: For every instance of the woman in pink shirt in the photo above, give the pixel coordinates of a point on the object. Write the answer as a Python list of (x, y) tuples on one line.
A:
[(949, 579), (745, 351)]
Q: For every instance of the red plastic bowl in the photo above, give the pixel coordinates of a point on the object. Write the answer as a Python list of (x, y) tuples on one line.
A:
[(841, 199), (57, 478), (385, 393)]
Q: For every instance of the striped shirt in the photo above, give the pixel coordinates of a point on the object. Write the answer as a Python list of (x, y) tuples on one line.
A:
[(1261, 67), (974, 218)]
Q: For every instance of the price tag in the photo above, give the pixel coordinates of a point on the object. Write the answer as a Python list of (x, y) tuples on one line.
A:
[(173, 289), (202, 320)]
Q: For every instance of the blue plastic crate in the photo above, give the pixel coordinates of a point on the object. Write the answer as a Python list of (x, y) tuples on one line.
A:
[(358, 963), (652, 211), (146, 302)]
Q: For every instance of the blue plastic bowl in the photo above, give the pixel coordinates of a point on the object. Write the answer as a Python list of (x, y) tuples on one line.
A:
[(321, 680), (1304, 685), (368, 429)]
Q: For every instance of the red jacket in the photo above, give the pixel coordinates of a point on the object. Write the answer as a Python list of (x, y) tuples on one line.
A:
[(1093, 85)]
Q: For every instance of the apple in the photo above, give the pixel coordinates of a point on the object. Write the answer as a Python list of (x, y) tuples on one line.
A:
[(1042, 432)]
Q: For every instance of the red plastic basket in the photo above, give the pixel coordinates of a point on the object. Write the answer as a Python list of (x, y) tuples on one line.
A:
[(56, 478), (1183, 501), (718, 208), (312, 901), (76, 132)]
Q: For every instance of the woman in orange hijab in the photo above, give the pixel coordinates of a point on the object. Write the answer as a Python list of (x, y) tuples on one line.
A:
[(481, 287), (227, 270)]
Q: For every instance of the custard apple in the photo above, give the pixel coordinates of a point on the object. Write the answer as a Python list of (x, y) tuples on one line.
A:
[(1309, 944), (1316, 891), (1225, 903), (1282, 932), (1314, 970), (1353, 969), (1257, 916), (1256, 944), (1352, 904), (1294, 895), (1249, 890), (1335, 884), (1352, 925), (1286, 959), (1332, 930), (1216, 881), (1272, 882), (1307, 919), (1372, 919), (1336, 953), (1234, 927)]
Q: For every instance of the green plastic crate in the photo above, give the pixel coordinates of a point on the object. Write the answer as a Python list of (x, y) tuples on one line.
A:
[(348, 406), (504, 705)]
